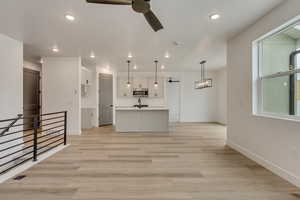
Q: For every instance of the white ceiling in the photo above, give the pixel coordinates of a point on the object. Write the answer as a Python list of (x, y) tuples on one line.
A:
[(113, 31)]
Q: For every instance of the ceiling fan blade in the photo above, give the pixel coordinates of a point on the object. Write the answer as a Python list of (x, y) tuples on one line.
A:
[(153, 21), (114, 2)]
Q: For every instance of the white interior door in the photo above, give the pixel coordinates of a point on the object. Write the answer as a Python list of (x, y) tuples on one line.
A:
[(105, 99), (173, 97)]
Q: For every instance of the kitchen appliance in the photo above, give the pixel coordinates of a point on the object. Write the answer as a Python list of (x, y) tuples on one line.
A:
[(140, 92)]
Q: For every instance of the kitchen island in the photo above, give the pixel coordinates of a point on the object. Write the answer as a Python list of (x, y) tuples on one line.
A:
[(150, 119)]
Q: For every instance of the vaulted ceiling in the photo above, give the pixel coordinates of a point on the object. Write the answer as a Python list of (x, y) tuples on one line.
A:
[(111, 32)]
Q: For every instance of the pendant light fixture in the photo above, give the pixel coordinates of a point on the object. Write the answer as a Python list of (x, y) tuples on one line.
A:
[(128, 71), (204, 82), (156, 70)]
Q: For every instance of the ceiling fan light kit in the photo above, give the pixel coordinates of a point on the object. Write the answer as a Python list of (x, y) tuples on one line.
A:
[(204, 82), (139, 6)]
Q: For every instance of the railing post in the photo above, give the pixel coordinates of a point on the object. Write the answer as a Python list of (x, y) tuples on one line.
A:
[(65, 128), (35, 137)]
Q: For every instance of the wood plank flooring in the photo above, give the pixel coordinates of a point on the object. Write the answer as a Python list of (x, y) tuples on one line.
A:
[(189, 163)]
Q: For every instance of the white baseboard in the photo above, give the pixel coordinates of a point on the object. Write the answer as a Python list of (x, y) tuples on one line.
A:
[(12, 173), (267, 164)]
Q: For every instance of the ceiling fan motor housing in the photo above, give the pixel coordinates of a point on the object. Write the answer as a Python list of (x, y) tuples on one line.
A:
[(140, 6)]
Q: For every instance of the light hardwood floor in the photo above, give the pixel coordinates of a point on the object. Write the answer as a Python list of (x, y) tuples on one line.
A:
[(190, 163)]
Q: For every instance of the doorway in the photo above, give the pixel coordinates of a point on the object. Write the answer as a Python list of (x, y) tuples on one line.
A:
[(173, 97), (105, 99), (31, 96)]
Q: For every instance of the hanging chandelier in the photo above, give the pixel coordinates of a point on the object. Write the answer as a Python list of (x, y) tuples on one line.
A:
[(204, 82)]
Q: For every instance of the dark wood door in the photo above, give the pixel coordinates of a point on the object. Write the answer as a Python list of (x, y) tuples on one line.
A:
[(31, 96)]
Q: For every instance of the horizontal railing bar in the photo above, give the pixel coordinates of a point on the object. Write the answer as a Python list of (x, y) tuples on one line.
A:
[(18, 138), (4, 127), (50, 148), (7, 120), (15, 145), (17, 125), (50, 143), (11, 124), (15, 159), (8, 169), (50, 128), (57, 136), (16, 132), (54, 113), (43, 120), (32, 116), (52, 123), (15, 152), (51, 133), (31, 123)]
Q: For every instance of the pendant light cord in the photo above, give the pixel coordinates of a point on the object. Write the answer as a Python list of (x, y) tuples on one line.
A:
[(203, 70), (128, 82), (156, 62)]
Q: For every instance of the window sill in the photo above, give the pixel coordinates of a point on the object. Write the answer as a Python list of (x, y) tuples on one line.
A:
[(278, 117)]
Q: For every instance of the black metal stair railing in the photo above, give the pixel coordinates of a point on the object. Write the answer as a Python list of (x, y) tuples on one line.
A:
[(19, 145)]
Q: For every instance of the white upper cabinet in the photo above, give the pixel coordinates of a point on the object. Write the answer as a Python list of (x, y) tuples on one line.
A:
[(156, 92), (123, 89), (140, 83)]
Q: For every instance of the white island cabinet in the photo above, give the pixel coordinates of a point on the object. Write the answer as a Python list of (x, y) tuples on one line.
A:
[(152, 119)]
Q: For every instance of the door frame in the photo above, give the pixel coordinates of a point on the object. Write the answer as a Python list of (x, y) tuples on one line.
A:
[(99, 99), (39, 91), (179, 96)]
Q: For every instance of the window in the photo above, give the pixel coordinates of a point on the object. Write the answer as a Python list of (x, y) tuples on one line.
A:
[(277, 78)]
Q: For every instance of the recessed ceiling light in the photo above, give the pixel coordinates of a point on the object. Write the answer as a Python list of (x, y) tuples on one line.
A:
[(163, 67), (135, 67), (130, 55), (214, 16), (55, 49), (70, 17)]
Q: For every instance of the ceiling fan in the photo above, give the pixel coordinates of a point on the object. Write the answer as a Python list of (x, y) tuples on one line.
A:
[(139, 6)]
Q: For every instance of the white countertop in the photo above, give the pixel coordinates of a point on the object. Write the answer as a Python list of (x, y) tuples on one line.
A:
[(142, 109)]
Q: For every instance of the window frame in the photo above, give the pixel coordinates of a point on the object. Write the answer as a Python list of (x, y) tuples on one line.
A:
[(258, 77)]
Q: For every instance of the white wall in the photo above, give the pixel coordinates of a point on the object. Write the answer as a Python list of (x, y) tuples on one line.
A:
[(11, 86), (273, 143), (91, 98), (173, 92), (11, 77), (221, 95), (197, 105), (88, 100), (298, 78), (32, 66), (61, 89)]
